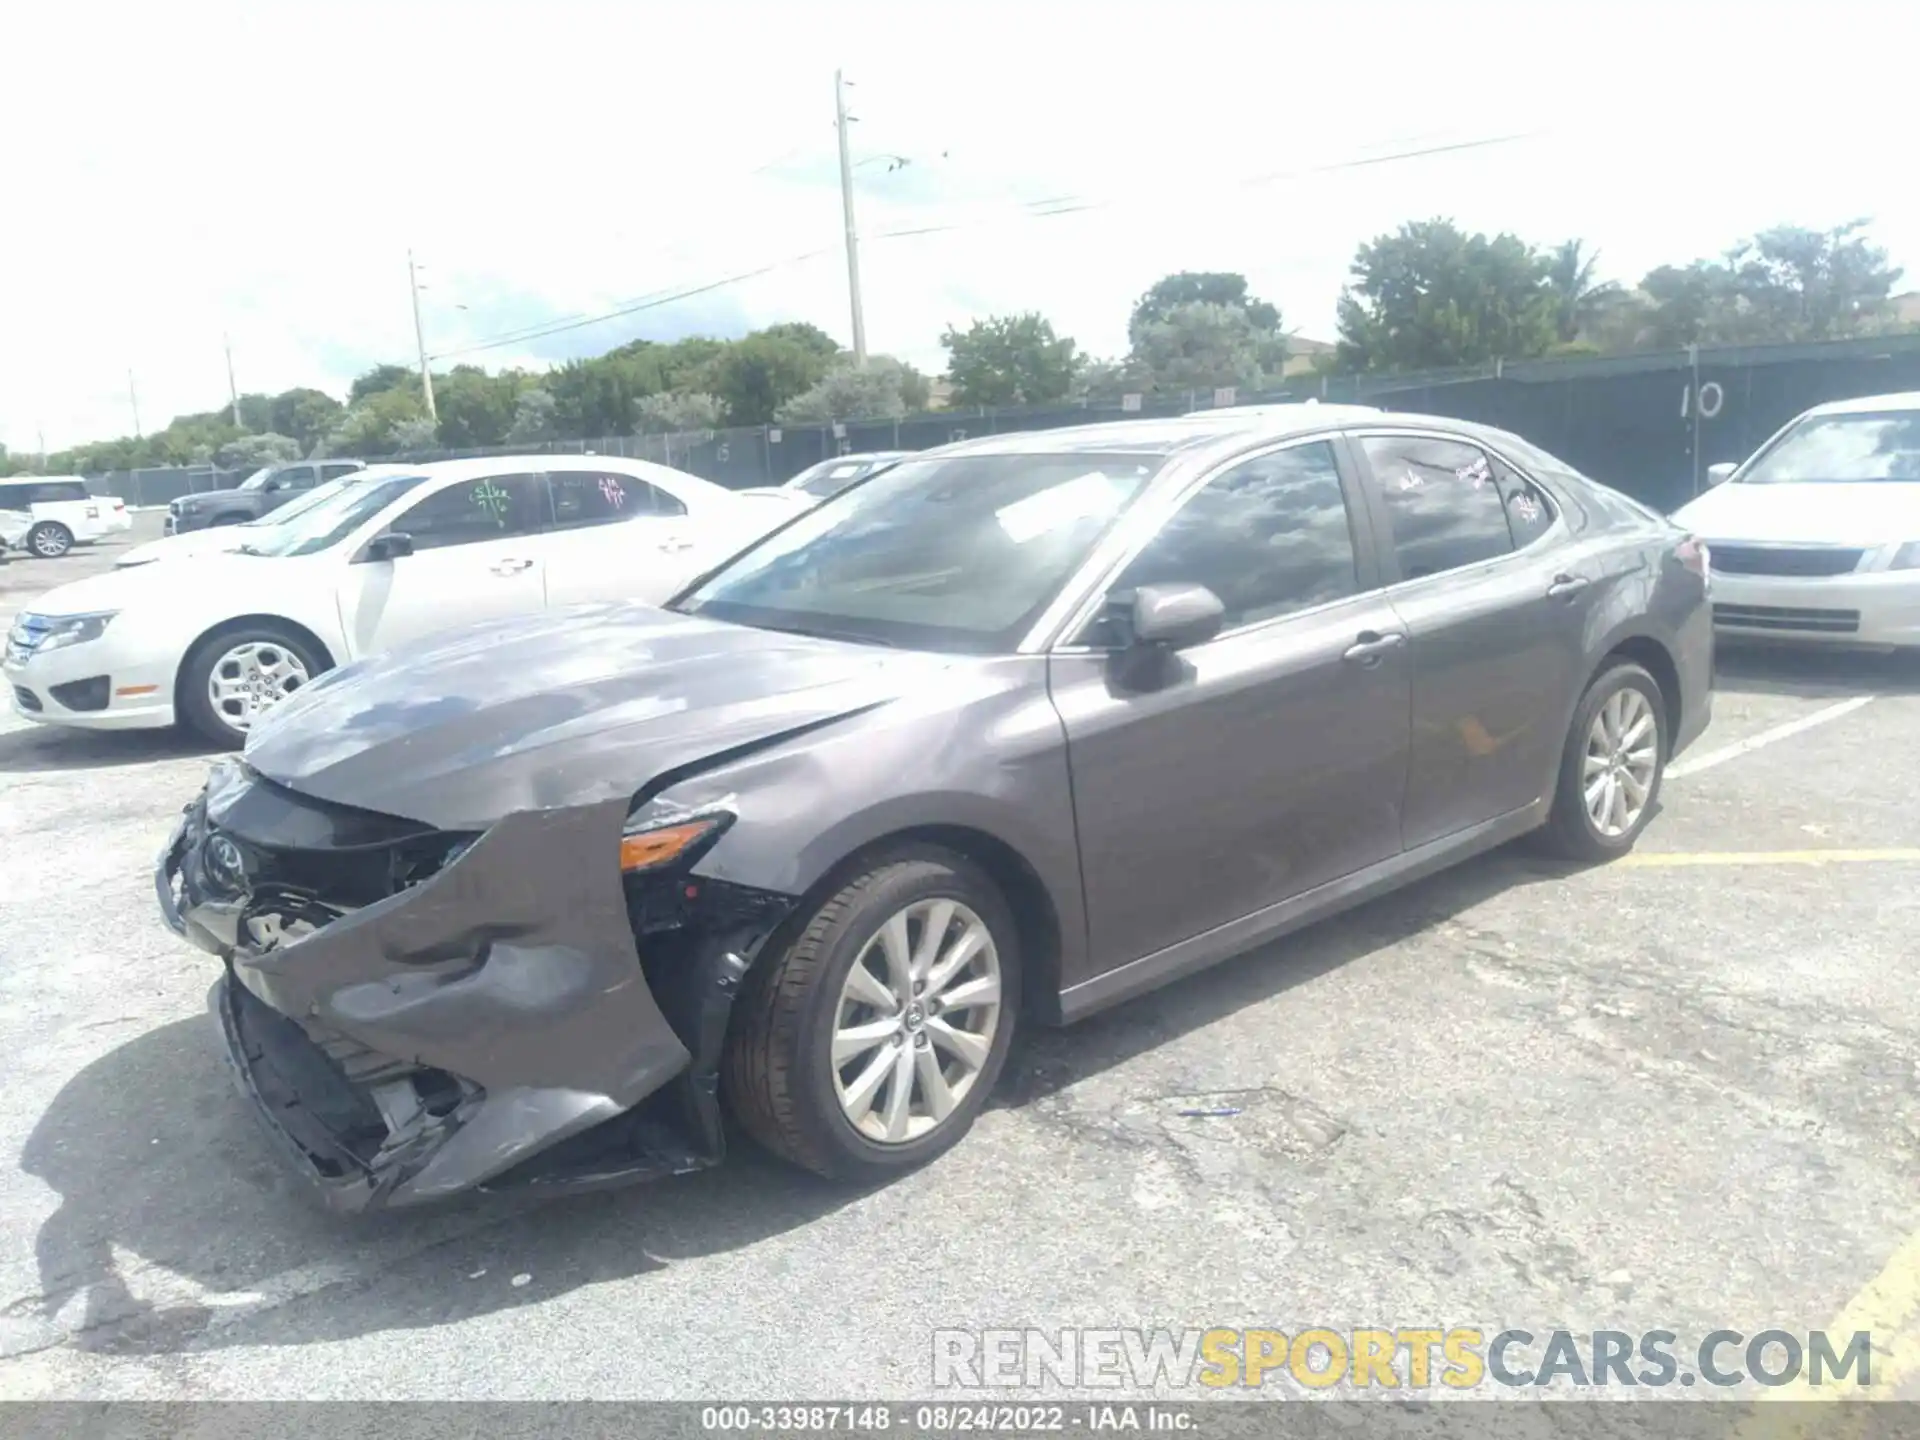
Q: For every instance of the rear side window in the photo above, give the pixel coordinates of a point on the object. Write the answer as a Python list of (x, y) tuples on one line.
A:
[(334, 472), (1443, 501), (1530, 513), (594, 497), (42, 492)]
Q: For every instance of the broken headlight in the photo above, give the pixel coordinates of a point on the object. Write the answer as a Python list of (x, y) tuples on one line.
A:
[(661, 836)]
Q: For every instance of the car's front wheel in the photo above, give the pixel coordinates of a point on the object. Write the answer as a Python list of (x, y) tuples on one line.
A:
[(50, 540), (868, 1044), (232, 678), (1610, 773)]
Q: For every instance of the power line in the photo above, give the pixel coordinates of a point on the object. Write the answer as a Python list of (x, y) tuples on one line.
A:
[(1042, 209)]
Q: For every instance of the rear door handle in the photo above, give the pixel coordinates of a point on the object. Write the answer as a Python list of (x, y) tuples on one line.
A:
[(511, 567), (1371, 645), (1565, 587)]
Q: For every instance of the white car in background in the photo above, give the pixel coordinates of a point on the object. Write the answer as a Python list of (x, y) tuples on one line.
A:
[(1816, 538), (830, 477), (61, 513), (409, 553), (222, 539)]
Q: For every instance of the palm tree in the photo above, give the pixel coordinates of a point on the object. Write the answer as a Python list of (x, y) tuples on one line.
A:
[(1577, 300)]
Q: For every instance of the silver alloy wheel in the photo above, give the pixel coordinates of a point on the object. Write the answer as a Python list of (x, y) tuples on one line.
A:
[(252, 677), (915, 1021), (1623, 752), (50, 542)]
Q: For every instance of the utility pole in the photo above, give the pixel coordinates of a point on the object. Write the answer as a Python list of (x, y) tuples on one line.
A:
[(233, 391), (133, 397), (846, 205), (420, 340)]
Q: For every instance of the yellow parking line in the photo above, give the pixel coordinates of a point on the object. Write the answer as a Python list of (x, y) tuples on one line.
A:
[(1668, 860)]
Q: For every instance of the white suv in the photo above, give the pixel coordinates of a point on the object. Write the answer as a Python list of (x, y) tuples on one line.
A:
[(58, 513)]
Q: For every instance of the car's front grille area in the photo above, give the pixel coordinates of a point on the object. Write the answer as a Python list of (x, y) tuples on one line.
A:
[(83, 695), (1786, 618), (1795, 560)]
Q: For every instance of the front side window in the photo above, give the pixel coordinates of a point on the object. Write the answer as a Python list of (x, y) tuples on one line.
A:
[(332, 519), (1842, 449), (1268, 536), (593, 497), (491, 507), (1443, 502), (958, 554)]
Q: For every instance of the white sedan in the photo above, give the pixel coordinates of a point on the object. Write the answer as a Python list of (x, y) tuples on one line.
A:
[(1816, 538), (404, 554)]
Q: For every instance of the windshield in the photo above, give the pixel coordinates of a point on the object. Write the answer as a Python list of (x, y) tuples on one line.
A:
[(958, 554), (1842, 449), (830, 477), (298, 506), (257, 479), (332, 520)]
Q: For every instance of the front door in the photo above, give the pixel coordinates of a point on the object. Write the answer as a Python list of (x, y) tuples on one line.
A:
[(1265, 762), (1495, 601), (478, 554)]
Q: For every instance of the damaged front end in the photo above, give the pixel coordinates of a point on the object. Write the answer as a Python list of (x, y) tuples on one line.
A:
[(418, 1012)]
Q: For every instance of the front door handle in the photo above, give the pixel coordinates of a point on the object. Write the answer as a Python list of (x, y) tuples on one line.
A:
[(1371, 645), (1565, 587), (511, 567)]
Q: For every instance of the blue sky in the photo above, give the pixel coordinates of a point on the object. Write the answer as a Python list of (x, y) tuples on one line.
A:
[(185, 173)]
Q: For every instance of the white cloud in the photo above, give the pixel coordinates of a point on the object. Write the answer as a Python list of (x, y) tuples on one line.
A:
[(181, 173)]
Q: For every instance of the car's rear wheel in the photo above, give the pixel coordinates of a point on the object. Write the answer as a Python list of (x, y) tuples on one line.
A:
[(50, 540), (1610, 773), (869, 1043), (231, 679)]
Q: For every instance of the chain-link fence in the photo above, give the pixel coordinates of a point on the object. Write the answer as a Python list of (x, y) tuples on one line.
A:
[(1646, 424)]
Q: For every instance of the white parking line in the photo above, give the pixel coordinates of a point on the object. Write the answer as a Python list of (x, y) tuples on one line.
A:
[(1694, 764)]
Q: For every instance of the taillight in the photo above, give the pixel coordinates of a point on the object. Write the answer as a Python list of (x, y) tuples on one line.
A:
[(1693, 554)]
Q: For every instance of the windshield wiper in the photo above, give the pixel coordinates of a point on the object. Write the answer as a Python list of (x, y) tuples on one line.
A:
[(815, 632)]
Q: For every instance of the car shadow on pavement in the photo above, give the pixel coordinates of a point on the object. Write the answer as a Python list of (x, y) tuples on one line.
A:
[(164, 1178), (1812, 673), (40, 748)]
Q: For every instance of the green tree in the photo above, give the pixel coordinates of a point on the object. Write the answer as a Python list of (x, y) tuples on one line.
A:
[(1799, 284), (679, 411), (305, 414), (1199, 287), (533, 421), (250, 452), (1201, 345), (808, 337), (754, 377), (882, 389), (1009, 360), (1687, 304), (379, 378), (1579, 300), (1431, 295), (372, 426), (475, 408)]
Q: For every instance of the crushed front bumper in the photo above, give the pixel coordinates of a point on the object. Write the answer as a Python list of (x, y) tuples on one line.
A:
[(489, 1025)]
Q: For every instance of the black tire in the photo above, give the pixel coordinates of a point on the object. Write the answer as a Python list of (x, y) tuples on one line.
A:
[(49, 540), (195, 706), (1570, 831), (777, 1075)]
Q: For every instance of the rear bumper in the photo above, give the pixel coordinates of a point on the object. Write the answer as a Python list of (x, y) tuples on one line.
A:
[(491, 1027), (1871, 608)]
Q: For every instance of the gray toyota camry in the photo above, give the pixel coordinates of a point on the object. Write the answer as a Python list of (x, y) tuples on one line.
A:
[(1002, 735)]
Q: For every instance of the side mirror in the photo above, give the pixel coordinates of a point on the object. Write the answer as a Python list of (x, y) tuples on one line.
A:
[(1721, 473), (389, 545), (1172, 617), (272, 485)]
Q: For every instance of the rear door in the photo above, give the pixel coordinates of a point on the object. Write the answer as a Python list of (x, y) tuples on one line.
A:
[(1269, 760), (614, 536), (476, 556), (1495, 604)]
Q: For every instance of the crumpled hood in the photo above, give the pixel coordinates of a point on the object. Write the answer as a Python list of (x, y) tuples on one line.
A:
[(1879, 512), (566, 707)]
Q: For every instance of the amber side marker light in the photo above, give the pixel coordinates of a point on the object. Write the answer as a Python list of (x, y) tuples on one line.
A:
[(654, 848)]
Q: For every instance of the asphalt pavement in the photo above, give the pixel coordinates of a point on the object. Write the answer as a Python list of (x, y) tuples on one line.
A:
[(1674, 1093)]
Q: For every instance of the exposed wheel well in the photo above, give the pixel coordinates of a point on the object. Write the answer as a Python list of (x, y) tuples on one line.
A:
[(230, 517), (1651, 656), (245, 622), (1033, 910)]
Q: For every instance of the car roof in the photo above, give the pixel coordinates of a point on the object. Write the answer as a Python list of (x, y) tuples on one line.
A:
[(1902, 400), (1186, 432)]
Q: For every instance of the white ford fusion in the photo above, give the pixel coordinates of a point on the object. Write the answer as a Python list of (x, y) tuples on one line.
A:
[(216, 642), (1817, 536)]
